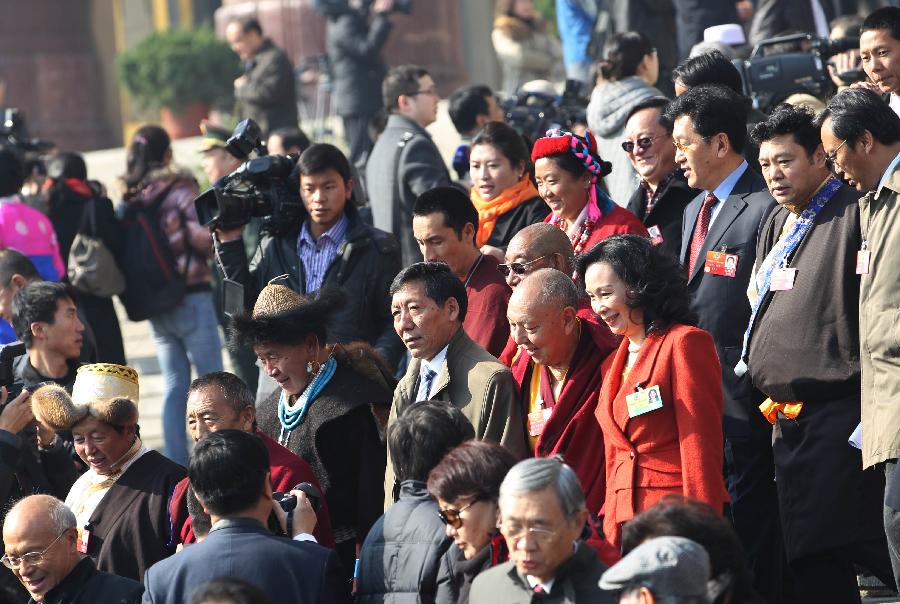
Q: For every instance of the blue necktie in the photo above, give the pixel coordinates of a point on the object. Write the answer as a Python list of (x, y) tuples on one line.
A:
[(427, 380)]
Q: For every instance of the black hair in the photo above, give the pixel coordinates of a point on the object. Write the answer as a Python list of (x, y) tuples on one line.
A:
[(855, 110), (38, 301), (623, 53), (401, 80), (200, 521), (457, 208), (228, 470), (248, 24), (439, 281), (14, 262), (656, 102), (234, 390), (850, 24), (507, 140), (12, 172), (292, 137), (228, 590), (423, 433), (677, 516), (291, 327), (787, 119), (714, 109), (657, 284), (60, 167), (473, 470), (887, 18), (709, 68), (146, 152), (321, 157), (466, 104)]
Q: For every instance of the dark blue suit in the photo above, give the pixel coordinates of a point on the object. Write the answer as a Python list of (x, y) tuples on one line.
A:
[(286, 570), (723, 310)]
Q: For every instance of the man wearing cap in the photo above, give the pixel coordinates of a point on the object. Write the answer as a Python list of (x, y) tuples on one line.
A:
[(670, 569), (121, 502)]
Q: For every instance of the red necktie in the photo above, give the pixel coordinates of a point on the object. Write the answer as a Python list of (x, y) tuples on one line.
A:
[(538, 589), (700, 231)]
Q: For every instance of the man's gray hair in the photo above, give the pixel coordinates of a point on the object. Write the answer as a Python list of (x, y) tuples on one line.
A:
[(537, 474), (234, 390), (556, 288), (58, 513)]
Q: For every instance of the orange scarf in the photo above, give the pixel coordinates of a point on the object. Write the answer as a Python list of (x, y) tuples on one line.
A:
[(509, 199)]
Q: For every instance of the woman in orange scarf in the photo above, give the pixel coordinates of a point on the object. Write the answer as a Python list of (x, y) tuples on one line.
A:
[(502, 189)]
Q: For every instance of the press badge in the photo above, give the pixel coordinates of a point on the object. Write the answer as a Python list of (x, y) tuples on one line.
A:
[(655, 234), (783, 279), (537, 420), (721, 263), (84, 539), (862, 262), (642, 401)]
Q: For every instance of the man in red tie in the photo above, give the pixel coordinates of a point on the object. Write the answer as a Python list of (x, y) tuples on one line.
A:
[(718, 250)]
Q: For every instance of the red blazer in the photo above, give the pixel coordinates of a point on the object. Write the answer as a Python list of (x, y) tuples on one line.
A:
[(675, 449)]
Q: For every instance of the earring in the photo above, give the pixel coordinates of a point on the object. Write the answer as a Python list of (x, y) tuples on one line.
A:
[(309, 367)]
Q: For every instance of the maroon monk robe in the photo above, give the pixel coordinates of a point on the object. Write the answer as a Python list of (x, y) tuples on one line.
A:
[(488, 296), (511, 351)]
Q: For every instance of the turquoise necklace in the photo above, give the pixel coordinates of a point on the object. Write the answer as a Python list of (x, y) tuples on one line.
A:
[(291, 415)]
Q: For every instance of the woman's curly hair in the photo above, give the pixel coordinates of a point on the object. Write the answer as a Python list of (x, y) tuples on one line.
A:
[(657, 283)]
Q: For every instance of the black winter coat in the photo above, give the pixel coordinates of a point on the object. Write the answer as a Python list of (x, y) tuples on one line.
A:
[(531, 212), (357, 67), (87, 585), (269, 95), (668, 211), (363, 267), (408, 556)]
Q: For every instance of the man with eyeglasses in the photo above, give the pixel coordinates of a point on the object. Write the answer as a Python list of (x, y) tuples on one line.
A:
[(542, 516), (861, 135), (405, 162), (42, 552), (663, 193)]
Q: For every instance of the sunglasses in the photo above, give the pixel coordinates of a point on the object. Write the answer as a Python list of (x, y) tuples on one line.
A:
[(519, 268), (452, 517), (645, 142)]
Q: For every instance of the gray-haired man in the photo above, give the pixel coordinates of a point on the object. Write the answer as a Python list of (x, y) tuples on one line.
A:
[(542, 515)]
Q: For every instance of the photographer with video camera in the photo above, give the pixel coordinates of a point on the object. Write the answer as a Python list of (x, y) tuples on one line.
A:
[(321, 243)]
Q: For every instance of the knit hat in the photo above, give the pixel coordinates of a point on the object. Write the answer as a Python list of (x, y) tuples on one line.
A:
[(105, 391), (667, 566), (284, 316), (584, 148)]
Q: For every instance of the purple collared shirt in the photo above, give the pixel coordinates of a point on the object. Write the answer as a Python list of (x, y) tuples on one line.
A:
[(317, 254)]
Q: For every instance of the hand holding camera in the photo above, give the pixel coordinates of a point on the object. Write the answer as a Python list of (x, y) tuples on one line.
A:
[(296, 510)]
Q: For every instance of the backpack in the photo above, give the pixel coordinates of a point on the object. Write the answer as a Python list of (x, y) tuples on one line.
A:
[(153, 285)]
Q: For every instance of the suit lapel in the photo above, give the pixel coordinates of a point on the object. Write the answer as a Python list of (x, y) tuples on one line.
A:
[(640, 373)]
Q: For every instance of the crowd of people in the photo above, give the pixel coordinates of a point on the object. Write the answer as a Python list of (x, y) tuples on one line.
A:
[(650, 359)]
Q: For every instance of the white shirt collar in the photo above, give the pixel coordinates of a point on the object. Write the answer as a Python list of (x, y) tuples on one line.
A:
[(533, 582), (437, 362), (727, 186), (887, 173)]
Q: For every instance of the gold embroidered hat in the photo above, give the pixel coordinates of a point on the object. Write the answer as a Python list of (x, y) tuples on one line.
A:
[(105, 391)]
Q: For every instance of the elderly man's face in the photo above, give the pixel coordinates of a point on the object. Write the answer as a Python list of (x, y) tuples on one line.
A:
[(539, 552), (520, 256), (208, 411), (100, 445), (544, 331), (24, 536), (424, 325)]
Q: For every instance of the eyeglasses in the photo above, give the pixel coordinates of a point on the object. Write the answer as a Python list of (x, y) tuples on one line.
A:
[(519, 268), (452, 517), (645, 142), (430, 91), (516, 532), (831, 158), (31, 558)]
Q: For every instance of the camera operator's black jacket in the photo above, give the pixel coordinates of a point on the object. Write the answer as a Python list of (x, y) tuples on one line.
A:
[(363, 267)]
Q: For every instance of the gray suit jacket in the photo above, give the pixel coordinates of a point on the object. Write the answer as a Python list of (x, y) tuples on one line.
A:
[(477, 384), (403, 152), (721, 302)]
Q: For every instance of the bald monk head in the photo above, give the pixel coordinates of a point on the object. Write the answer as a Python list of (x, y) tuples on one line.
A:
[(542, 319), (537, 246), (40, 537)]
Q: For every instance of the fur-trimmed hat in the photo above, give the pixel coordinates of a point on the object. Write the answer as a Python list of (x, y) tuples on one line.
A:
[(283, 316), (105, 391)]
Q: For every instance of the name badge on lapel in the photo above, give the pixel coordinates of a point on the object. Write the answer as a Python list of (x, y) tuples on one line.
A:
[(783, 279), (537, 420), (655, 234), (84, 539), (721, 263), (643, 401)]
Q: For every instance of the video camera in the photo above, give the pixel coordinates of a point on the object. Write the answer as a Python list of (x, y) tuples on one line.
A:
[(8, 355), (770, 79), (533, 113), (261, 187)]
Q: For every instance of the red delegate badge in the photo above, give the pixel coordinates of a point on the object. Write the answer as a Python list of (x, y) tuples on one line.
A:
[(721, 263)]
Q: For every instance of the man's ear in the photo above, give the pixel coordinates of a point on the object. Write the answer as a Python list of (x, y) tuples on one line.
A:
[(468, 232), (818, 157), (247, 416), (37, 330), (452, 306), (348, 186), (18, 281)]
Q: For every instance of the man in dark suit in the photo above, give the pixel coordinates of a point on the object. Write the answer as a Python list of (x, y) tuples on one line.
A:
[(720, 228), (266, 90), (663, 193), (775, 17), (230, 475)]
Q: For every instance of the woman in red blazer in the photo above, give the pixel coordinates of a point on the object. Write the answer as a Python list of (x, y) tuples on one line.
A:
[(660, 407)]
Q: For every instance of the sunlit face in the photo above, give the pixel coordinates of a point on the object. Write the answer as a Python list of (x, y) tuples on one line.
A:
[(243, 44), (564, 193), (518, 252), (539, 554), (696, 155), (22, 537), (217, 162), (479, 524), (208, 411), (542, 330), (792, 176), (287, 363), (440, 243), (849, 159), (491, 171), (495, 111), (880, 55), (100, 445), (609, 300), (657, 161), (424, 326), (422, 105), (325, 195)]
